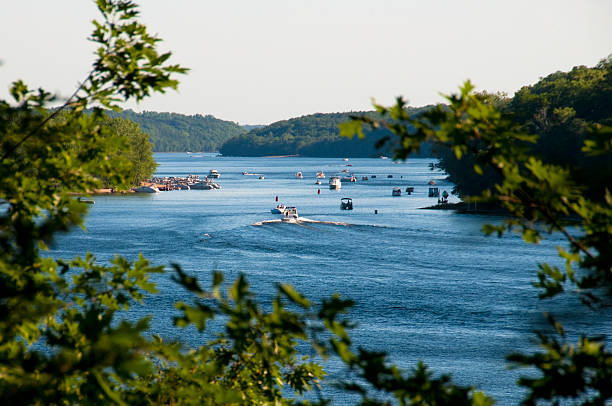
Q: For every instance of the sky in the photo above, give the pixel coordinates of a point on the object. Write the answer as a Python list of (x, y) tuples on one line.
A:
[(257, 62)]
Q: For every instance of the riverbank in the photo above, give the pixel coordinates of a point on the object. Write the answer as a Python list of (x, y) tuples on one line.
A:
[(463, 207)]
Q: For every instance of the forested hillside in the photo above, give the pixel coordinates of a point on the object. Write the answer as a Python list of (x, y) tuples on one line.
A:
[(561, 109), (173, 132), (315, 135)]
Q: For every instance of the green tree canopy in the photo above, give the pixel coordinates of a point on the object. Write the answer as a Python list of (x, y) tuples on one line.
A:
[(138, 149)]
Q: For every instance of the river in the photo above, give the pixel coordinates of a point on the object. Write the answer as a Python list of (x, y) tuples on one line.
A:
[(428, 284)]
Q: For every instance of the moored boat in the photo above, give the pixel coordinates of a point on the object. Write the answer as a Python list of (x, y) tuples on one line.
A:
[(334, 183), (213, 173), (86, 200), (396, 191), (146, 189), (346, 203), (202, 186)]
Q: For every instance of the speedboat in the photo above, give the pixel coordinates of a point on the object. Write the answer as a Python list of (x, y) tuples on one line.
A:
[(320, 175), (334, 183), (396, 191), (213, 173), (346, 203), (290, 214), (279, 209)]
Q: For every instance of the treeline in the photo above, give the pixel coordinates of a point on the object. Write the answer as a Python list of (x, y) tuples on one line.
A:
[(315, 135), (561, 109), (173, 132)]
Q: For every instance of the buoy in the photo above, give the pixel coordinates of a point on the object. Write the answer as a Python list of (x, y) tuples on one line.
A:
[(318, 191), (277, 198), (375, 211)]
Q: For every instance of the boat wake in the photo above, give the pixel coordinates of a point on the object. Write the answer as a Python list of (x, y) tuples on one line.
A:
[(302, 221)]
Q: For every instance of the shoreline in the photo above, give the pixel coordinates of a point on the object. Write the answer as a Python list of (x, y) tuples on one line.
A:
[(464, 208)]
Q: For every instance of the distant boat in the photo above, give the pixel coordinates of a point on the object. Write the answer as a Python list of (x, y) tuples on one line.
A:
[(346, 159), (213, 173), (279, 209), (384, 157), (318, 182), (320, 175), (334, 183), (86, 200), (348, 179), (346, 203), (204, 186), (261, 177), (396, 191), (146, 189), (299, 175)]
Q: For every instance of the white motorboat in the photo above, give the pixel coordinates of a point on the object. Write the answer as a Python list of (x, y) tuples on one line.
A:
[(320, 175), (86, 200), (334, 183), (213, 173), (290, 214), (146, 189), (202, 186), (279, 209)]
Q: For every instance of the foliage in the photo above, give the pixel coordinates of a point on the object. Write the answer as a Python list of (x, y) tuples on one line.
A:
[(541, 198), (64, 334), (138, 151), (315, 135), (60, 340), (566, 110), (173, 132)]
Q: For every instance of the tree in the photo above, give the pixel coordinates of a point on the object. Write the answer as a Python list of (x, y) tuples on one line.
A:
[(560, 109), (139, 149)]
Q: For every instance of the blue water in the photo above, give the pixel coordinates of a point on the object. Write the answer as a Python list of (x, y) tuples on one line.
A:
[(428, 285)]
